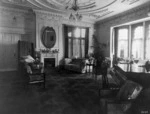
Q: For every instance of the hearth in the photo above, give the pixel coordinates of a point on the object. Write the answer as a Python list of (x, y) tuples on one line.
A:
[(50, 58), (49, 62)]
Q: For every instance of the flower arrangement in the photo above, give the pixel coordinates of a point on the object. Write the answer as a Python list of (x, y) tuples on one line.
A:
[(49, 50)]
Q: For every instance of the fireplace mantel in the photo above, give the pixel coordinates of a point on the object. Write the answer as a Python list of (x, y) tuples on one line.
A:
[(49, 55)]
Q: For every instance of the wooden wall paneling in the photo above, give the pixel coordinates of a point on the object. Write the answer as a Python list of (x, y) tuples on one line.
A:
[(14, 50), (9, 51), (4, 44), (15, 39), (1, 51), (10, 57)]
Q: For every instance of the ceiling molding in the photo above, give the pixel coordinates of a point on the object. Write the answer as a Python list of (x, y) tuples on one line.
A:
[(94, 10), (59, 17), (101, 8), (47, 13), (134, 10)]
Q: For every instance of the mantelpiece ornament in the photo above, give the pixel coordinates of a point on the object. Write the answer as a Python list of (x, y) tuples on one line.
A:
[(49, 50)]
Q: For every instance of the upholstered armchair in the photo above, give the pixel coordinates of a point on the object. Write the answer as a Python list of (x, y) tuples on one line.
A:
[(34, 70), (122, 101)]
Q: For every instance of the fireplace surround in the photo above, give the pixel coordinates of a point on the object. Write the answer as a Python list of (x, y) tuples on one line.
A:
[(51, 58), (49, 62)]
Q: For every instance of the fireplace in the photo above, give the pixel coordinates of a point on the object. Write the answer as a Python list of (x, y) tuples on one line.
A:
[(49, 62), (50, 59)]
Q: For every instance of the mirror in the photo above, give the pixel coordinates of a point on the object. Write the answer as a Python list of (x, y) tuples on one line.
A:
[(49, 37)]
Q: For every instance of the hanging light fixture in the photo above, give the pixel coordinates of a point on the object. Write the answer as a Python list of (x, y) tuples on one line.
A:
[(75, 14)]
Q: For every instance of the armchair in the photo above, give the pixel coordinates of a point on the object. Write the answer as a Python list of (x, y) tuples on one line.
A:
[(122, 101), (34, 70)]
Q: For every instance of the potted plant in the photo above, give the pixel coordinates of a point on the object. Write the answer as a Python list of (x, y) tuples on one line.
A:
[(98, 50)]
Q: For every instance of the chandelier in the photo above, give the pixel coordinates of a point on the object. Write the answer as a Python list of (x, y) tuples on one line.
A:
[(75, 14)]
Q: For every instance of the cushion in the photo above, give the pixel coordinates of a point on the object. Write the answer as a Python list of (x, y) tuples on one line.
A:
[(130, 90), (67, 60), (28, 59)]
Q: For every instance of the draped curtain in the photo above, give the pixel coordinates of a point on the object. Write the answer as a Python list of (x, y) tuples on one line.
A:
[(76, 41)]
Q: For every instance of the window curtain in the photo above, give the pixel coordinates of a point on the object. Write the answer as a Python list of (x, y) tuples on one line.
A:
[(76, 43), (87, 42), (66, 40)]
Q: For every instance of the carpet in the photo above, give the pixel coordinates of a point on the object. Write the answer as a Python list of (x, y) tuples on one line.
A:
[(69, 93), (65, 93)]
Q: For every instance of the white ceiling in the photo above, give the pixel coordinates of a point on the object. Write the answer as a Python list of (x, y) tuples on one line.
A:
[(96, 10)]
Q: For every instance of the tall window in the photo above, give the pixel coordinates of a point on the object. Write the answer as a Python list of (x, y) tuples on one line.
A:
[(133, 41), (123, 43), (137, 42), (147, 56), (76, 42)]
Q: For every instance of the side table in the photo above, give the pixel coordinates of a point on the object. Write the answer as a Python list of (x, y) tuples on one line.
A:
[(91, 64)]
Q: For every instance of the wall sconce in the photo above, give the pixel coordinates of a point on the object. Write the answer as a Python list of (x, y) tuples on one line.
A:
[(14, 19)]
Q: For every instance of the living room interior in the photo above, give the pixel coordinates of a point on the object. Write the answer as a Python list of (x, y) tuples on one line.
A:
[(74, 56)]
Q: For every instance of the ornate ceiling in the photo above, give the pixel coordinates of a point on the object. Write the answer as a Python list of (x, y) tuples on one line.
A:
[(95, 10)]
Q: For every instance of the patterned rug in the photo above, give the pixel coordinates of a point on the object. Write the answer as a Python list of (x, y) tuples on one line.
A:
[(69, 93), (65, 93)]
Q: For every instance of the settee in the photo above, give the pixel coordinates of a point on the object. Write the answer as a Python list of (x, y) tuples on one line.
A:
[(75, 64)]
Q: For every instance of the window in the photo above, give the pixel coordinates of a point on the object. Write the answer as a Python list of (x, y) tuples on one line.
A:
[(137, 42), (123, 43), (76, 44), (147, 56), (133, 41)]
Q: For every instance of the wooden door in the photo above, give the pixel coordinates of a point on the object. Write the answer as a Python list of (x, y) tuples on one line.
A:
[(8, 51)]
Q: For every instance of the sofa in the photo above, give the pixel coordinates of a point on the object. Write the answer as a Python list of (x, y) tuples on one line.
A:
[(75, 64)]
